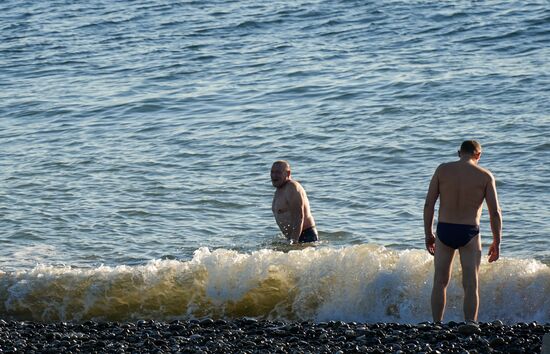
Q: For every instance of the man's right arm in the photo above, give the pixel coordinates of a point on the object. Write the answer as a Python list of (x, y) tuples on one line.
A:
[(495, 216), (429, 208)]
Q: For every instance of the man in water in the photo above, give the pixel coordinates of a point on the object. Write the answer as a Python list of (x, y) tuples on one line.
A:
[(291, 207), (461, 186)]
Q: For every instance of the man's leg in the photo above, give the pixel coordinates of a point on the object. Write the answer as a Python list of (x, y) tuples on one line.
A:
[(443, 260), (470, 259)]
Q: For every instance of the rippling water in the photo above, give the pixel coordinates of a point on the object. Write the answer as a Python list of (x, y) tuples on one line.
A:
[(135, 131)]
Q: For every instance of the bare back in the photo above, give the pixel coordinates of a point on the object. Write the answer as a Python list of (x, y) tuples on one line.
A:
[(462, 188)]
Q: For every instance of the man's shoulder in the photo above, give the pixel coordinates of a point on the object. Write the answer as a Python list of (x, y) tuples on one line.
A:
[(445, 166), (458, 165), (486, 172), (294, 185)]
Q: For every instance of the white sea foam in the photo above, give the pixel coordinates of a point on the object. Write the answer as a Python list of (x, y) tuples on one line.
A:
[(366, 283)]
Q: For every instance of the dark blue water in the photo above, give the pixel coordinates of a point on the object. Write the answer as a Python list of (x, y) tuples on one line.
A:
[(134, 131)]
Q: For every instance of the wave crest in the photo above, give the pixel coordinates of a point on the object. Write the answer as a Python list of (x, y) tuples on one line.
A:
[(362, 283)]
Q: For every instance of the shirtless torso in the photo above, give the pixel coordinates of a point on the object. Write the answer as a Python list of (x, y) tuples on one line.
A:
[(461, 188), (290, 205)]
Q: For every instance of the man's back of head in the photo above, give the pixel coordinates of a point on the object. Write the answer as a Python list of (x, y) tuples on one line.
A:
[(470, 147)]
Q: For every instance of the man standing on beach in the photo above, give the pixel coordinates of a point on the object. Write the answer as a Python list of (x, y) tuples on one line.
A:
[(461, 186), (290, 206)]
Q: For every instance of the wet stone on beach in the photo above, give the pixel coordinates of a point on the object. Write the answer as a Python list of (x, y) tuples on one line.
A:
[(259, 336)]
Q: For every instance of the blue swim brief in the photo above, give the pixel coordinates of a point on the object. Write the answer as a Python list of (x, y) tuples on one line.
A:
[(309, 235), (456, 235)]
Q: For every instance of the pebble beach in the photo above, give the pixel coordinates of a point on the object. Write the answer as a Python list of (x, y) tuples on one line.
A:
[(136, 143), (248, 335)]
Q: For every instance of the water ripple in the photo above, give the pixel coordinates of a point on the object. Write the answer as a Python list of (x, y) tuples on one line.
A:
[(135, 126)]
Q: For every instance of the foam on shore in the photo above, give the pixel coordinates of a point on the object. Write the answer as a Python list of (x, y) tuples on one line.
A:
[(363, 283)]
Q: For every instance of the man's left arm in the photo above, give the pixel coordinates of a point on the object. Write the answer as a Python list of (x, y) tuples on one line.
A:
[(296, 208)]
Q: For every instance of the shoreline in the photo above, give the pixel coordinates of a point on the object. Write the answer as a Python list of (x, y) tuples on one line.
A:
[(248, 335)]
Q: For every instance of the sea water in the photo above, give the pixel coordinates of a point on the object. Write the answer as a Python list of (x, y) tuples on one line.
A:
[(136, 140)]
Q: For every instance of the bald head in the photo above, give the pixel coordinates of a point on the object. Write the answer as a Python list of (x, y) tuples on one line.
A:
[(282, 164), (280, 173)]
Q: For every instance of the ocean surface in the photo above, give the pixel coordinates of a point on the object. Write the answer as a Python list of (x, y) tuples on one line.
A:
[(136, 140)]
